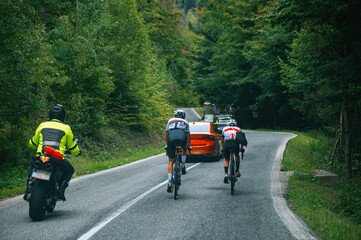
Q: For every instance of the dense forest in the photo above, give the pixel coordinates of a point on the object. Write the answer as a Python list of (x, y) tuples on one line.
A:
[(283, 64)]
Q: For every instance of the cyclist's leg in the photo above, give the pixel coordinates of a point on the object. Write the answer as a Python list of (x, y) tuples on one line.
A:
[(237, 158), (227, 148), (171, 156), (226, 165), (226, 160), (170, 169), (184, 157)]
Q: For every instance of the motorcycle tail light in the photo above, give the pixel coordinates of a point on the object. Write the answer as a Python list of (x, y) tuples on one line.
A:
[(44, 158)]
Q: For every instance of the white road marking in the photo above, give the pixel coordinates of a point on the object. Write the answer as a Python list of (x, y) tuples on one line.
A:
[(115, 168), (122, 209), (297, 228)]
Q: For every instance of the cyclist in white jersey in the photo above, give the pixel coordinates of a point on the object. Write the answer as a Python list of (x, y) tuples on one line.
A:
[(229, 141), (177, 133)]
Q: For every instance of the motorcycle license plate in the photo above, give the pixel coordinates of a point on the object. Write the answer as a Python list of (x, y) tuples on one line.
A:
[(41, 174)]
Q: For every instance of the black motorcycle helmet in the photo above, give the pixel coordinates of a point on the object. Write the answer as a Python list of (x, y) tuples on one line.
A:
[(57, 112)]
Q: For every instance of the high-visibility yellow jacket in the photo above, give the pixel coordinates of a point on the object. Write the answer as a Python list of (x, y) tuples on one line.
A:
[(55, 134)]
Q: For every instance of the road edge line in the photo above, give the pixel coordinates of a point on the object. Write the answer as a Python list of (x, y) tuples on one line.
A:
[(294, 224)]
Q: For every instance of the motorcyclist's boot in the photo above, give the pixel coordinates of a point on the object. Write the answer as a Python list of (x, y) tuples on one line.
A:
[(27, 191), (61, 190)]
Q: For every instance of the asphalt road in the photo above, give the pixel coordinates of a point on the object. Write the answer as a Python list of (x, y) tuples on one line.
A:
[(131, 202)]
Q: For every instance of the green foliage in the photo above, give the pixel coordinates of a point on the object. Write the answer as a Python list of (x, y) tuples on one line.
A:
[(239, 62), (15, 54), (332, 212), (13, 176), (104, 61), (171, 40), (349, 195), (322, 69), (316, 203)]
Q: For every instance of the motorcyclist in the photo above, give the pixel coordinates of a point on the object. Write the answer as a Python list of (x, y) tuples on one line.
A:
[(58, 135), (229, 141), (177, 132)]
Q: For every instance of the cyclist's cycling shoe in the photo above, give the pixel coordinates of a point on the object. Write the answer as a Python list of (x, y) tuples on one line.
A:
[(184, 170), (226, 179), (169, 187), (238, 174)]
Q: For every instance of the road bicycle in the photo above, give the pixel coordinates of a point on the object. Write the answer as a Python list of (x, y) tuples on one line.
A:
[(233, 173), (177, 171)]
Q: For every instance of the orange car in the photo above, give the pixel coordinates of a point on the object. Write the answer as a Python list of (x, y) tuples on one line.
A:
[(205, 140)]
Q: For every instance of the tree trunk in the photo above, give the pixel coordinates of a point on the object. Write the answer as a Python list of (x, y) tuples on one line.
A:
[(347, 139), (340, 147)]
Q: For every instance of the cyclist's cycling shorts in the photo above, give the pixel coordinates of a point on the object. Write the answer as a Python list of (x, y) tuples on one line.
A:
[(228, 145), (176, 137)]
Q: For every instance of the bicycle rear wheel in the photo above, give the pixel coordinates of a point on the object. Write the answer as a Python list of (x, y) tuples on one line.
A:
[(176, 175), (232, 173)]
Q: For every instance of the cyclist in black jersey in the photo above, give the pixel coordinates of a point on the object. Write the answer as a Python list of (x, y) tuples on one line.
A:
[(177, 134)]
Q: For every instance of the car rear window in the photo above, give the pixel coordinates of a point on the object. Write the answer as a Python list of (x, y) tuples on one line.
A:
[(199, 128)]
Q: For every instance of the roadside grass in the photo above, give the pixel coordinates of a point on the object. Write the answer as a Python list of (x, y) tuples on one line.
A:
[(316, 203), (111, 150), (113, 159)]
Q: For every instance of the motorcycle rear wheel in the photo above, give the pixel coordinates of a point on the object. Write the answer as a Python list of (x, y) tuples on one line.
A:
[(37, 201)]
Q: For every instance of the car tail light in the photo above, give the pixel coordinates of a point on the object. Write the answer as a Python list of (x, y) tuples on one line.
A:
[(197, 142)]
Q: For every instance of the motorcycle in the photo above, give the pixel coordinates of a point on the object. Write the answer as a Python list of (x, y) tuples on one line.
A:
[(44, 183)]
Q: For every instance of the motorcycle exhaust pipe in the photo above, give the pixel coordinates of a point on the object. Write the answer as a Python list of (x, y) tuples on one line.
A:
[(38, 164), (48, 166)]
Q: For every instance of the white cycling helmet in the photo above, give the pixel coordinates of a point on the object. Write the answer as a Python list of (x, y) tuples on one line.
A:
[(232, 123), (179, 114)]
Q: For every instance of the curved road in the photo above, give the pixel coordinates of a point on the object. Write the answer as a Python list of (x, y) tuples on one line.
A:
[(131, 202)]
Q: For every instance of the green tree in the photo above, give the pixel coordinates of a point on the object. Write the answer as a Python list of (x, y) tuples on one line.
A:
[(323, 67)]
